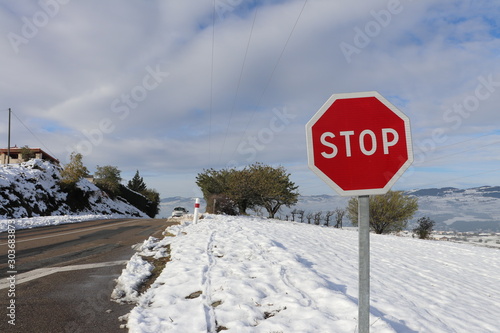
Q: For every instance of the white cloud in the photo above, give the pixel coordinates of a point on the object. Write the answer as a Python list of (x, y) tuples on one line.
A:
[(426, 57)]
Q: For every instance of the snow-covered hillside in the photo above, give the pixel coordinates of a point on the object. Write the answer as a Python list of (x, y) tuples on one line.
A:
[(32, 189), (242, 274), (167, 205), (472, 209)]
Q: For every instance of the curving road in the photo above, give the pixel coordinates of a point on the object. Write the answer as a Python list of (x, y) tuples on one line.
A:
[(64, 275)]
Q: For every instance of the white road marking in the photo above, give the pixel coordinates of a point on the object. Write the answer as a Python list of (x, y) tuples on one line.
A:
[(41, 272)]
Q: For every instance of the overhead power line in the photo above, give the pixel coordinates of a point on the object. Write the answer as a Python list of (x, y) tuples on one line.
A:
[(272, 72), (211, 88), (239, 84), (36, 137), (424, 186)]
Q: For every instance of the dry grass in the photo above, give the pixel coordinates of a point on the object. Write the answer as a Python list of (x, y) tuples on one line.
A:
[(159, 264)]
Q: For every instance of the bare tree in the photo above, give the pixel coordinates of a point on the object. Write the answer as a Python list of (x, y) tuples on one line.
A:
[(300, 214), (339, 216), (309, 217), (328, 215), (317, 217), (293, 213)]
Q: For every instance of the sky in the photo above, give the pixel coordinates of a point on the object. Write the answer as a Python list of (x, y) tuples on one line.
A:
[(170, 88)]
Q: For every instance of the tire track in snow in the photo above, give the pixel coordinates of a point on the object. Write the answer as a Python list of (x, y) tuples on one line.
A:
[(207, 285)]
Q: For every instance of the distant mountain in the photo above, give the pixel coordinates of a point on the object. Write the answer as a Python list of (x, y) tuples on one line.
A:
[(485, 191), (473, 209), (167, 205)]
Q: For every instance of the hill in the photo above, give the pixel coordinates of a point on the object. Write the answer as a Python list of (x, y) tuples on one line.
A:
[(32, 189), (473, 209)]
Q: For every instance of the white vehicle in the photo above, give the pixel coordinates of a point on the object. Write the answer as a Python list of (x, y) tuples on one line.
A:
[(179, 211)]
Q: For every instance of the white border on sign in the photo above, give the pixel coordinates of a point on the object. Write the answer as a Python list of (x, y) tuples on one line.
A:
[(325, 178)]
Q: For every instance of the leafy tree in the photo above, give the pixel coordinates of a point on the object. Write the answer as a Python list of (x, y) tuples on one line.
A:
[(241, 189), (388, 213), (151, 204), (213, 183), (74, 170), (153, 196), (108, 179), (27, 153), (257, 185), (424, 227), (148, 201), (224, 205), (272, 188), (137, 183)]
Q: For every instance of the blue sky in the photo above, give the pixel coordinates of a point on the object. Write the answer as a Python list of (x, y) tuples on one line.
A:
[(167, 88)]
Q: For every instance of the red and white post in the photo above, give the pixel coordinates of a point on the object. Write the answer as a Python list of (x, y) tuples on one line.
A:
[(196, 210)]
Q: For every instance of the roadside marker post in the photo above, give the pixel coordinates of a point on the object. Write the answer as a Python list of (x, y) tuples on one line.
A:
[(196, 210)]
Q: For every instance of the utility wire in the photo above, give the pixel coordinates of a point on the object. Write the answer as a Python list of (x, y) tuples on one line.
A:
[(461, 152), (467, 140), (239, 84), (458, 178), (272, 73), (40, 141), (459, 142), (211, 88)]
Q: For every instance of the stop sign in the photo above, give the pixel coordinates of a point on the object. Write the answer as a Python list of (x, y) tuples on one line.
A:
[(359, 143)]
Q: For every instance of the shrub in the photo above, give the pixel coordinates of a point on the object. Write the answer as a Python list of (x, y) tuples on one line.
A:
[(424, 227)]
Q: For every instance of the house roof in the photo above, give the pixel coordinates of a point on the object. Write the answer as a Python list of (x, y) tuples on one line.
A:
[(18, 150)]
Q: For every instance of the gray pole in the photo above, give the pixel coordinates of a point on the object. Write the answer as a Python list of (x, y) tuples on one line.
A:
[(8, 142), (364, 264)]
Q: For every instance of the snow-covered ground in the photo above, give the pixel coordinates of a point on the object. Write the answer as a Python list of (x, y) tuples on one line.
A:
[(44, 221), (32, 189), (243, 274)]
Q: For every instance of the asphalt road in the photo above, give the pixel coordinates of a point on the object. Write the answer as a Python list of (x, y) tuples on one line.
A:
[(64, 275)]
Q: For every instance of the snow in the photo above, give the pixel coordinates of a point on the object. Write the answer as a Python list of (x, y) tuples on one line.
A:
[(249, 274), (475, 209), (44, 221), (136, 271), (36, 184)]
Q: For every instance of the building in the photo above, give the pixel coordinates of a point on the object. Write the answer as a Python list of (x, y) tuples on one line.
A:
[(16, 155)]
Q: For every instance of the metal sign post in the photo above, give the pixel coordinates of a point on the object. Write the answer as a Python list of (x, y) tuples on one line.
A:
[(364, 264), (349, 132)]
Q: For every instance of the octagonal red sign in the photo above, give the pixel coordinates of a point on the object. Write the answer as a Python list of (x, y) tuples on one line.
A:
[(359, 143)]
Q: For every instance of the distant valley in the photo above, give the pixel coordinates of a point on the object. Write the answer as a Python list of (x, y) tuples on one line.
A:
[(473, 209)]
